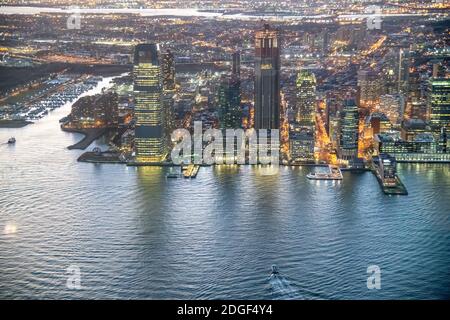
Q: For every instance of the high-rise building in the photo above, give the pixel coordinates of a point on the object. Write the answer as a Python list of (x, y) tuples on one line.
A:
[(306, 99), (229, 103), (369, 86), (150, 134), (168, 100), (301, 145), (237, 63), (267, 79), (439, 103), (325, 41), (302, 136), (168, 71), (403, 70), (389, 72), (393, 106), (348, 144)]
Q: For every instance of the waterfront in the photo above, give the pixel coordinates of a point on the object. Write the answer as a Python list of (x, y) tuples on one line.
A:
[(136, 234)]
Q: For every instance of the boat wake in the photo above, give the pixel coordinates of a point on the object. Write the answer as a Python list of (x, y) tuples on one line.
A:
[(281, 288)]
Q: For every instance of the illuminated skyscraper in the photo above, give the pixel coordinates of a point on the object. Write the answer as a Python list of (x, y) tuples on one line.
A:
[(403, 70), (229, 103), (267, 79), (348, 144), (168, 71), (168, 99), (369, 86), (439, 103), (150, 135), (306, 99), (302, 136)]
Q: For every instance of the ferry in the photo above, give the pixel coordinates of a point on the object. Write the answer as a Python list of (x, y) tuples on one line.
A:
[(12, 140), (333, 174)]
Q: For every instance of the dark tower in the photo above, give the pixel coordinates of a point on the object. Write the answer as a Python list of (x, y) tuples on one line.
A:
[(237, 63), (267, 79)]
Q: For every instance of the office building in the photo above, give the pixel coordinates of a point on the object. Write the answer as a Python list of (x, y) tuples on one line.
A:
[(150, 133), (348, 142)]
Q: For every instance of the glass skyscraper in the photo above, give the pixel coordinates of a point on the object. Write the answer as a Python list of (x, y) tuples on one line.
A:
[(150, 135), (348, 146), (306, 99), (439, 103), (169, 90), (229, 103), (302, 134)]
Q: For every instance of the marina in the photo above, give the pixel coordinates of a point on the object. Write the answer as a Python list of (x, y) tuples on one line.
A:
[(52, 94)]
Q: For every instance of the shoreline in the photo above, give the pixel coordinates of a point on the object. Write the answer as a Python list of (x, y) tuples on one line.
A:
[(13, 124)]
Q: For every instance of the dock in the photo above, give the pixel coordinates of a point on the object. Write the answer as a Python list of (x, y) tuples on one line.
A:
[(398, 188), (383, 167), (102, 157)]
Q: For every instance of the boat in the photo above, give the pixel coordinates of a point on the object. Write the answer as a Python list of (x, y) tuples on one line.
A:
[(12, 140), (274, 269), (333, 174)]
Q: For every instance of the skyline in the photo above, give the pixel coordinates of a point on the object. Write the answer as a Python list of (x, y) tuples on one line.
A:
[(258, 151)]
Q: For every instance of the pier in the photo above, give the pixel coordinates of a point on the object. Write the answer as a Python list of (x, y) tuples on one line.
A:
[(4, 123), (90, 135), (101, 157), (384, 168)]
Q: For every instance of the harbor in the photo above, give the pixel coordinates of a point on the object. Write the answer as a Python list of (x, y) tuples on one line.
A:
[(33, 104)]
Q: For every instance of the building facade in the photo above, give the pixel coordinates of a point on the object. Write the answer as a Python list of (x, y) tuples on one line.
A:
[(302, 135), (348, 142), (439, 103), (169, 91), (150, 133), (229, 103), (424, 148)]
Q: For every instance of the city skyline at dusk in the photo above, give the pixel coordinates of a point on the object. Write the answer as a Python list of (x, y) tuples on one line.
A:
[(225, 150)]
